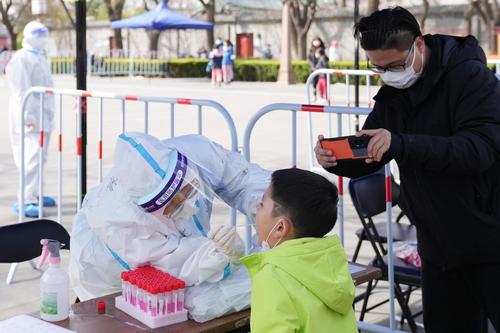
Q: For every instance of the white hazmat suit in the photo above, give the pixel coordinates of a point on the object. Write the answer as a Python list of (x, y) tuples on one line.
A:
[(113, 233), (28, 68)]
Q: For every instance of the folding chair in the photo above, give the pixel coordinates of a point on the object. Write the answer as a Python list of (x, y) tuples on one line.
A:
[(400, 231), (21, 241), (368, 197)]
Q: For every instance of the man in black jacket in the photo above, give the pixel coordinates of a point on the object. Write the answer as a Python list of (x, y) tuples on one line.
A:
[(438, 116)]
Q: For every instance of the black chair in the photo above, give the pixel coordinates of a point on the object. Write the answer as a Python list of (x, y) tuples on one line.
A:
[(400, 231), (368, 197), (21, 241)]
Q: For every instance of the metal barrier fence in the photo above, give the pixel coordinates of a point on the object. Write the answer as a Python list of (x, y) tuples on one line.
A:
[(339, 111), (82, 97), (111, 66)]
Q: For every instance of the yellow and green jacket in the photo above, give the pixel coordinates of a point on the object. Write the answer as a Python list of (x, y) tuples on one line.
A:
[(302, 285)]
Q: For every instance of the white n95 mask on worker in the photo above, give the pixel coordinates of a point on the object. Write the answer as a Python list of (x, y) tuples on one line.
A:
[(406, 78)]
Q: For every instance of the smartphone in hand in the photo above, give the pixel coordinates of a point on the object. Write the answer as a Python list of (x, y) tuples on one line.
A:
[(347, 147)]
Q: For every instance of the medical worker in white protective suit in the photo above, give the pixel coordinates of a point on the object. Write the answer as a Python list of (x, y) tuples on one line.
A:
[(154, 208), (29, 67)]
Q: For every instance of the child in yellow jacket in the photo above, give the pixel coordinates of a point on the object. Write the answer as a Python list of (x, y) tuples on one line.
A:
[(302, 285)]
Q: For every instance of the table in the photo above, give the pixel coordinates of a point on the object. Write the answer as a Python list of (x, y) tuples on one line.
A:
[(84, 317)]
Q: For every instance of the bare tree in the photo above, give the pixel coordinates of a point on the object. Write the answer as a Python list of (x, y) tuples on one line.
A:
[(302, 14), (468, 13), (424, 14), (11, 13), (490, 16), (372, 6), (115, 10), (69, 11), (209, 10), (153, 34)]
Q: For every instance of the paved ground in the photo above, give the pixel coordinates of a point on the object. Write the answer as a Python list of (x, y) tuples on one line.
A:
[(270, 142)]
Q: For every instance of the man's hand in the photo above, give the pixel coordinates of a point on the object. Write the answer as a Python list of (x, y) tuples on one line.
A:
[(378, 145), (325, 157), (224, 239)]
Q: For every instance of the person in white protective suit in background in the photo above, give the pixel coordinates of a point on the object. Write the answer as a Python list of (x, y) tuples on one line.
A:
[(28, 68), (154, 207)]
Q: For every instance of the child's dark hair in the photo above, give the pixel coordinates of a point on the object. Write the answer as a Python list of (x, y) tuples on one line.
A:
[(390, 28), (308, 199)]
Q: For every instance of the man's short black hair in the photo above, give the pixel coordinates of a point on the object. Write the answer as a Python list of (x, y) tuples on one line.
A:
[(308, 199), (390, 28)]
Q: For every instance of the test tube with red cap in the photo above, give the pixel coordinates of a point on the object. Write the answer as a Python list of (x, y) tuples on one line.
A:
[(180, 295), (153, 292), (133, 291), (124, 285)]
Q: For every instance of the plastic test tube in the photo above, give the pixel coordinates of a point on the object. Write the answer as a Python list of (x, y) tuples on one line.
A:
[(163, 300), (133, 292), (170, 299), (124, 285), (144, 298), (140, 296), (154, 301), (180, 296)]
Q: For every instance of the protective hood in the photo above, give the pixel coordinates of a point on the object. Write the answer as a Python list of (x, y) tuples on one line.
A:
[(142, 159), (35, 37), (319, 264)]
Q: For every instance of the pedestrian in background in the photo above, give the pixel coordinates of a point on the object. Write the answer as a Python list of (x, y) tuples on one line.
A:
[(216, 60), (316, 44), (228, 62), (321, 62), (29, 68)]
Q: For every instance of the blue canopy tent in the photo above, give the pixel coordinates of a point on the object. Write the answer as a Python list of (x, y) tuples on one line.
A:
[(161, 18)]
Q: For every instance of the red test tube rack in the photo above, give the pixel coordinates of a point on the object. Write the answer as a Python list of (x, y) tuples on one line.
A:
[(153, 297)]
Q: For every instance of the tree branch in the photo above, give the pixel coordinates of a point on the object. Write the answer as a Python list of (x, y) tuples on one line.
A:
[(66, 10), (19, 15)]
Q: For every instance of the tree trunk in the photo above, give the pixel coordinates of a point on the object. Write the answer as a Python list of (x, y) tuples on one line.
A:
[(424, 16), (118, 39), (372, 6), (468, 16), (211, 18), (294, 38), (154, 38), (13, 40), (492, 40), (302, 41)]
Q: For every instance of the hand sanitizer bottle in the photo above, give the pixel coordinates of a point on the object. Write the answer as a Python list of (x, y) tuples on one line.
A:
[(54, 285)]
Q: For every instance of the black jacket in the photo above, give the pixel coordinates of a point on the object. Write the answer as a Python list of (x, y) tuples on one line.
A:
[(446, 141)]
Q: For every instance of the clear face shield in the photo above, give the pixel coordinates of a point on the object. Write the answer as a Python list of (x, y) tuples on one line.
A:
[(180, 193)]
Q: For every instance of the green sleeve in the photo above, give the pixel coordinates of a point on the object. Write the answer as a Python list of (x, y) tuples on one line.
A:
[(272, 309)]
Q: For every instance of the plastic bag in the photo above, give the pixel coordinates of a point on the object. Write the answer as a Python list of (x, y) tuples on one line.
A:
[(212, 300), (408, 251)]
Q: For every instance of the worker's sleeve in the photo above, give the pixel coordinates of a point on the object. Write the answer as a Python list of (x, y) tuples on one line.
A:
[(272, 309), (194, 261), (19, 77), (236, 181), (474, 145), (242, 184)]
